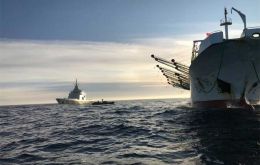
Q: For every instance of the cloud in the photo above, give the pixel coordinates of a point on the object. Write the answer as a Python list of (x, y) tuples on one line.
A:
[(89, 61), (48, 62), (40, 68)]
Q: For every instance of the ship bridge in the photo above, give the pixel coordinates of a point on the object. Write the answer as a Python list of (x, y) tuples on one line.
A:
[(76, 93)]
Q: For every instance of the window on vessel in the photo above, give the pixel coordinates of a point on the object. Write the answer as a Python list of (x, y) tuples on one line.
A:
[(256, 35)]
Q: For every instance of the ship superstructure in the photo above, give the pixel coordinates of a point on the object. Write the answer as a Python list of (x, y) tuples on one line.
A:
[(76, 96), (223, 72)]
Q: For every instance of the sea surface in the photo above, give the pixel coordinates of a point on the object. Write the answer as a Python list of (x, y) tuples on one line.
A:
[(129, 132)]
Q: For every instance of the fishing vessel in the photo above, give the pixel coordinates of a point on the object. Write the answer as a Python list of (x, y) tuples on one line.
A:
[(76, 96), (224, 72)]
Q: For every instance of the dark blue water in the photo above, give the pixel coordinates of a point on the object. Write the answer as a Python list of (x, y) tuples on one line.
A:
[(129, 132)]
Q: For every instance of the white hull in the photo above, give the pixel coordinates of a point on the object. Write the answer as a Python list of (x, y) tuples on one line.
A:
[(73, 101), (224, 73), (237, 63)]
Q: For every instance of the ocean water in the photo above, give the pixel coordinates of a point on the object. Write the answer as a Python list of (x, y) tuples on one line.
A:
[(129, 132)]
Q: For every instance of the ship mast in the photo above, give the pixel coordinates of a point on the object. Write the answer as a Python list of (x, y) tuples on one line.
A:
[(76, 85), (226, 22)]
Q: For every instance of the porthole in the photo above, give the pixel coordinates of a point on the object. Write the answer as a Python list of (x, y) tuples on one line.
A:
[(256, 35)]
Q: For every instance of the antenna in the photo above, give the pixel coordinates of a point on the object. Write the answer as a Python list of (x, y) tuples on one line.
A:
[(226, 22), (76, 84), (243, 16)]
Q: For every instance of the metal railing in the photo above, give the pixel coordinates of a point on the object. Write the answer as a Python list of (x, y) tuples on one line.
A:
[(228, 22)]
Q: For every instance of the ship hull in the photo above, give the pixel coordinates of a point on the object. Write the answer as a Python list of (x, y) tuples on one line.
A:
[(222, 104), (226, 75), (73, 101)]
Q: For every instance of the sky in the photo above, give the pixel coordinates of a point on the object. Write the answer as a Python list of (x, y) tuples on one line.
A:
[(106, 44)]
